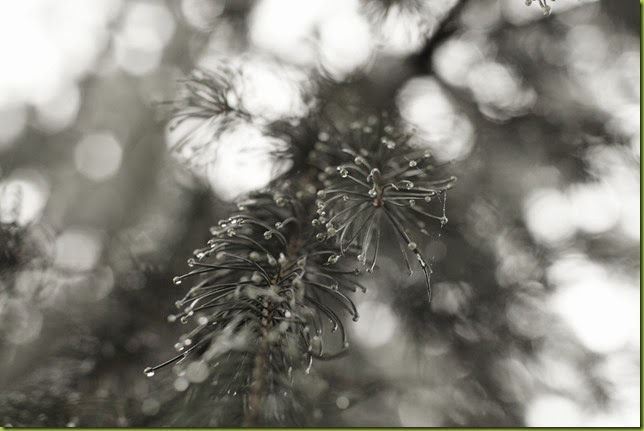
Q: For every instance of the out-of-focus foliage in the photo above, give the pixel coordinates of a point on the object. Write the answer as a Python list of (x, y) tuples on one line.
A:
[(535, 311)]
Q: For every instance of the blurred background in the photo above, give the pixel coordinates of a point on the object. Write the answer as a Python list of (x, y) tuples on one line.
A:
[(536, 316)]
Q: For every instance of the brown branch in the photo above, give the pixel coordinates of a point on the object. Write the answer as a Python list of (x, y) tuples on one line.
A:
[(421, 62), (258, 375)]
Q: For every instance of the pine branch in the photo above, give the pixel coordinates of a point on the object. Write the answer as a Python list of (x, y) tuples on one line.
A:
[(379, 177), (262, 301), (270, 288), (206, 106)]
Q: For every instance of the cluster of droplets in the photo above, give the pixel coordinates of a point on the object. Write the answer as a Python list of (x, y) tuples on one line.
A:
[(400, 193), (543, 3), (380, 177)]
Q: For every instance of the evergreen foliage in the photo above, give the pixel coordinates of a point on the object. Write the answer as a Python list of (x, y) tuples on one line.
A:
[(337, 294)]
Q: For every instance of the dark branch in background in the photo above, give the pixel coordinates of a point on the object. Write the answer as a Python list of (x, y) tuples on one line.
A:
[(449, 25), (381, 92)]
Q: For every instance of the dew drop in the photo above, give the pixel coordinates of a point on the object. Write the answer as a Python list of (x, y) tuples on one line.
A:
[(253, 255), (315, 222), (333, 258), (356, 318), (282, 259), (322, 194), (191, 262), (413, 163), (172, 318), (411, 246), (320, 237), (428, 198), (178, 347), (278, 225), (410, 185), (362, 259), (359, 160), (271, 260), (184, 319), (373, 193), (443, 221), (344, 173), (203, 320), (345, 198), (342, 402), (178, 304), (323, 136), (345, 345), (176, 280), (412, 202), (280, 201), (331, 231), (334, 286), (268, 234), (148, 372)]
